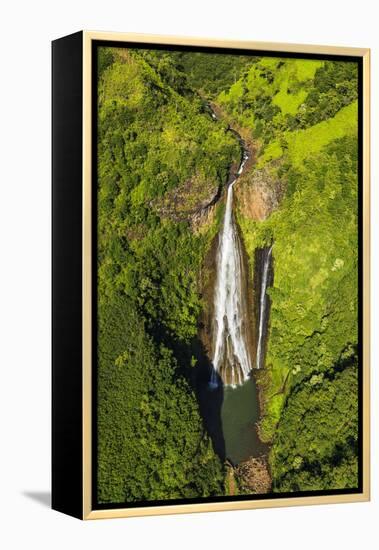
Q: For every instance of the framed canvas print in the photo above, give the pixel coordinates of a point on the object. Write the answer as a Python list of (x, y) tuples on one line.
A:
[(210, 275)]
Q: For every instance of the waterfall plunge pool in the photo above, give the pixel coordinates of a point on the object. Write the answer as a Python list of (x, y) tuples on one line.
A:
[(239, 415), (230, 414)]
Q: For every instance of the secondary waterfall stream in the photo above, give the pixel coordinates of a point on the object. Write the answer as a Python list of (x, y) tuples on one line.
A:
[(267, 255)]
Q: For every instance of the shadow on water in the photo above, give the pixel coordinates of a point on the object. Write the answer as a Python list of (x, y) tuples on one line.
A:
[(210, 403), (239, 416), (230, 414)]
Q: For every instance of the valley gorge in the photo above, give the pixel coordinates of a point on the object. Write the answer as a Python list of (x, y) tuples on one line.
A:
[(227, 344)]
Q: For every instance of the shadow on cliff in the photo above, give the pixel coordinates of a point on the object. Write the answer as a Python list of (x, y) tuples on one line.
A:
[(210, 399)]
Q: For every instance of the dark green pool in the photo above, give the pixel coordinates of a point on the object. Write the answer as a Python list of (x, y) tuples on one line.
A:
[(239, 414)]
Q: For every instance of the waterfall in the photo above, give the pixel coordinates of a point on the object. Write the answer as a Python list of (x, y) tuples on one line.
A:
[(263, 305), (231, 353)]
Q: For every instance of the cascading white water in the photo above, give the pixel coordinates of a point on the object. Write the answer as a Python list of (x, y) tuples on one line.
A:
[(230, 349), (263, 307)]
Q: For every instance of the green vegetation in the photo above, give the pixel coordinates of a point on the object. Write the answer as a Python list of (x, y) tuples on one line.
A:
[(311, 356), (302, 143), (211, 73), (151, 441), (320, 452), (155, 141), (161, 161), (276, 96)]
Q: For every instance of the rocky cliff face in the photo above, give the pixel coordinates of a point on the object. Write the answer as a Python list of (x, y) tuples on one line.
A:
[(258, 194), (195, 201), (189, 199), (203, 218)]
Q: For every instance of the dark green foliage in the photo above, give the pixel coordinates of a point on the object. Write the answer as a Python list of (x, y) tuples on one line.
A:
[(151, 441), (211, 73), (313, 323), (335, 86), (314, 312), (314, 296), (151, 141), (316, 442), (104, 59), (165, 291), (164, 63)]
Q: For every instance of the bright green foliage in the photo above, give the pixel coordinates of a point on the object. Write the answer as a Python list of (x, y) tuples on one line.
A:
[(152, 443), (270, 91), (159, 147), (152, 142), (314, 297), (276, 96), (291, 95), (314, 304), (335, 86), (301, 143)]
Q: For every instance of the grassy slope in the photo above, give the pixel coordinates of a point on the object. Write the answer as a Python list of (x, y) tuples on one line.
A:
[(288, 101), (270, 91), (302, 143)]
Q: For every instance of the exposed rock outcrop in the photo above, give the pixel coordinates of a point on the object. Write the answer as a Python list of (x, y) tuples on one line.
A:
[(203, 218), (259, 193), (192, 200), (253, 476)]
